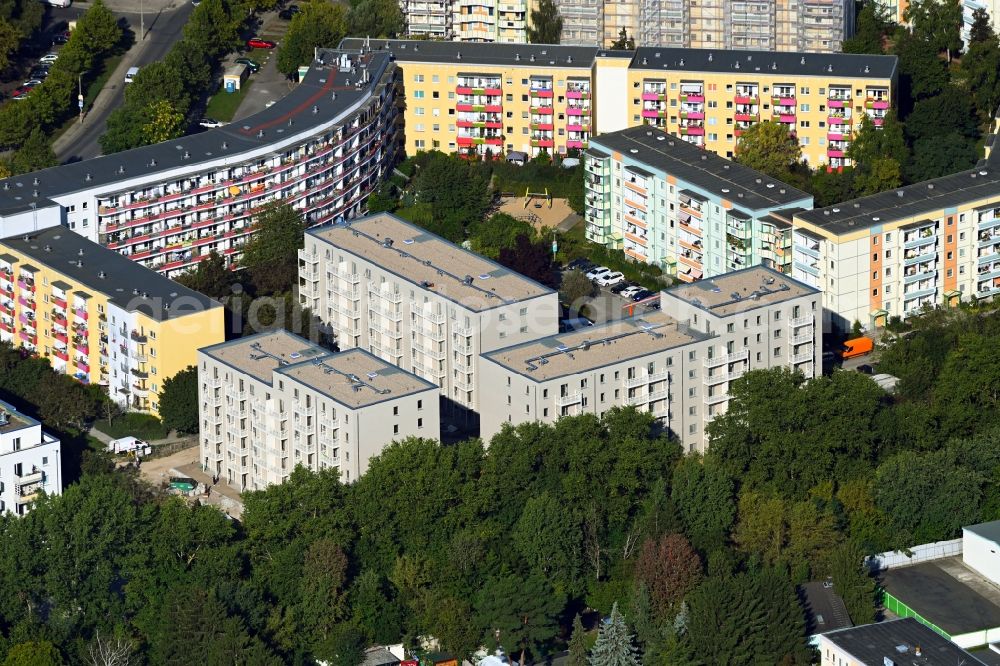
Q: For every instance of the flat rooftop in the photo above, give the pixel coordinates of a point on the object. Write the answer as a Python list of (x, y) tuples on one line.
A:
[(990, 530), (430, 262), (751, 64), (740, 291), (15, 420), (260, 355), (472, 53), (947, 593), (292, 114), (355, 378), (94, 267), (744, 187), (595, 346), (903, 203), (825, 609), (898, 640)]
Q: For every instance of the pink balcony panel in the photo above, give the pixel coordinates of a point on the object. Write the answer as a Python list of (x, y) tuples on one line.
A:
[(81, 314), (82, 366), (650, 96), (696, 131), (25, 302), (574, 144), (574, 111), (878, 121), (650, 113), (494, 141), (27, 336), (880, 104), (575, 127), (25, 320), (542, 93), (786, 118), (744, 117), (695, 99), (546, 143), (464, 140), (834, 120), (59, 302), (543, 110), (786, 101), (835, 136), (744, 99), (574, 94), (24, 285), (835, 103), (60, 354), (834, 153), (696, 115)]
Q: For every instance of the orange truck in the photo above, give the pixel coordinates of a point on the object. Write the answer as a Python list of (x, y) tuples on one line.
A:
[(856, 347)]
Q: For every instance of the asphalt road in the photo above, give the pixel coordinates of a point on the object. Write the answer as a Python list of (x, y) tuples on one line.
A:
[(162, 30)]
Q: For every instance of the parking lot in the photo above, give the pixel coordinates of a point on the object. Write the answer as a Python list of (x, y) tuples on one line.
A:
[(614, 296)]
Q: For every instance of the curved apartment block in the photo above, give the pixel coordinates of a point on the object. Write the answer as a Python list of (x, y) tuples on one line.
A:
[(322, 148)]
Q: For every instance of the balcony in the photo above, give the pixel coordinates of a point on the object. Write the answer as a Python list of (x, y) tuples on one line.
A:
[(711, 362), (136, 336), (34, 476), (801, 321), (569, 399), (802, 358), (802, 338)]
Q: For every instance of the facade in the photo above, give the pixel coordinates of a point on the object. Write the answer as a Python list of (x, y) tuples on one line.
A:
[(675, 363), (490, 99), (895, 253), (663, 201), (29, 461), (992, 9), (770, 25), (892, 643), (468, 20), (274, 401), (979, 549), (99, 317), (420, 302), (895, 10), (322, 148)]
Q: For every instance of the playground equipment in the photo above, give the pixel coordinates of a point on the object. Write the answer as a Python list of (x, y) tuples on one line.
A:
[(545, 196)]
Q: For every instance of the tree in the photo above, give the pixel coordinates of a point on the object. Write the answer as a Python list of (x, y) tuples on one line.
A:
[(532, 260), (853, 583), (982, 28), (922, 73), (870, 29), (624, 42), (113, 650), (938, 156), (41, 653), (525, 612), (879, 154), (769, 148), (670, 568), (377, 18), (35, 154), (271, 254), (962, 397), (456, 190), (936, 22), (211, 276), (549, 542), (577, 644), (318, 24), (214, 27), (546, 23), (980, 67), (344, 647), (489, 237), (164, 121), (614, 646), (704, 496), (575, 287), (179, 401), (10, 40)]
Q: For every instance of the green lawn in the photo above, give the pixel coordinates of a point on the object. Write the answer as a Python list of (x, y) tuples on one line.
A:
[(223, 105), (143, 426)]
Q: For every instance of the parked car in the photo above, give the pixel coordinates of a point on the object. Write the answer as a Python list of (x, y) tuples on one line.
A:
[(641, 294), (59, 40), (597, 272), (867, 368), (289, 12), (39, 73), (209, 123), (258, 43), (621, 287), (20, 93), (580, 264), (609, 279), (31, 83), (631, 291), (131, 74), (49, 57), (574, 324), (252, 65)]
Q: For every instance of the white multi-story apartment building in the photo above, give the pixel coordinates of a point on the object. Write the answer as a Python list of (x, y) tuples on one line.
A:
[(675, 363), (322, 148), (895, 253), (419, 301), (274, 401), (503, 21), (29, 461), (664, 201)]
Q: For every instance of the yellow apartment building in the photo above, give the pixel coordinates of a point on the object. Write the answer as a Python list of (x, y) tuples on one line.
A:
[(100, 317), (500, 98)]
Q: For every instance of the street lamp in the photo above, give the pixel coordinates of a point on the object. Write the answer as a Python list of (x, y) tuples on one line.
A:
[(142, 23)]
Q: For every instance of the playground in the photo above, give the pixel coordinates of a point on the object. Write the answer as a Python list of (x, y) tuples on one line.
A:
[(541, 210)]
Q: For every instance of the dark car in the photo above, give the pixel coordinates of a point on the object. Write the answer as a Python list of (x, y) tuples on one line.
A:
[(580, 264), (866, 369), (640, 295), (620, 287), (38, 73), (59, 40), (252, 65), (258, 43), (289, 12)]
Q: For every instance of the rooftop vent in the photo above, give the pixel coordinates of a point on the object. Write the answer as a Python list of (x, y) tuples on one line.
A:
[(48, 248), (88, 178), (467, 280), (121, 169), (260, 134), (517, 57), (681, 63), (866, 69), (836, 210), (802, 61), (387, 242), (225, 145), (4, 418), (35, 182), (102, 275), (710, 57), (186, 154)]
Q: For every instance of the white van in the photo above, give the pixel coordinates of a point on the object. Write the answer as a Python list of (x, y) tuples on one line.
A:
[(58, 3), (130, 74)]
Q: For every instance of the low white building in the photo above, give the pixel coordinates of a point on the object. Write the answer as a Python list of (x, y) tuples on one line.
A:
[(29, 461), (981, 549)]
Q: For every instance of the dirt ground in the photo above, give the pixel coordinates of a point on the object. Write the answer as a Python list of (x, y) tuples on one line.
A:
[(158, 471), (539, 213)]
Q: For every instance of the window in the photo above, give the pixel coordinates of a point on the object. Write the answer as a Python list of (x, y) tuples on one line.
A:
[(418, 78), (418, 94), (420, 423), (395, 429), (395, 411)]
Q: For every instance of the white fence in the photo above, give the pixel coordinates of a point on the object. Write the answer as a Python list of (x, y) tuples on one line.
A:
[(922, 553)]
